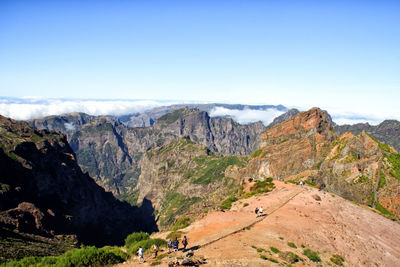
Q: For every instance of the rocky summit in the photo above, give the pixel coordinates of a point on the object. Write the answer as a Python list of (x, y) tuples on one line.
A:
[(45, 193)]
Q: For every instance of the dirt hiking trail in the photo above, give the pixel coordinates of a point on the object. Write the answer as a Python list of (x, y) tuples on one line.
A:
[(296, 219)]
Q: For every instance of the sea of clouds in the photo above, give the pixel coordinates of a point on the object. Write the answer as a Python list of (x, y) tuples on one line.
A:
[(247, 115), (33, 107), (29, 108)]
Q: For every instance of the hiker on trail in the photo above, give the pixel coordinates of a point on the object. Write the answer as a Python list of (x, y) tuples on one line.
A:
[(140, 253), (169, 245), (155, 248), (184, 243), (260, 210), (301, 183), (256, 211), (176, 244)]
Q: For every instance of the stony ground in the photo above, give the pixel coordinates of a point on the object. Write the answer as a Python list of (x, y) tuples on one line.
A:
[(306, 217)]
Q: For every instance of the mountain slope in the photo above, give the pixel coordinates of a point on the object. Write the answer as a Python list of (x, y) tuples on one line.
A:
[(44, 192), (183, 178), (298, 221), (305, 147)]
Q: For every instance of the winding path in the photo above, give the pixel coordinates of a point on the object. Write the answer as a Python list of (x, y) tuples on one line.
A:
[(242, 226)]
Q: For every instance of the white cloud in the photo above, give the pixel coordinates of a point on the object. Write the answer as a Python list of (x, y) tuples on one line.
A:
[(28, 108), (247, 115), (342, 117), (69, 126)]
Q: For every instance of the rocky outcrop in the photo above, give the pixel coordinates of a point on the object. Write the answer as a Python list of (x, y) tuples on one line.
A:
[(387, 131), (284, 117), (293, 146), (44, 191)]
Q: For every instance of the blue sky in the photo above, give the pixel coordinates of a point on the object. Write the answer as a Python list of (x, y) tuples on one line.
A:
[(343, 56)]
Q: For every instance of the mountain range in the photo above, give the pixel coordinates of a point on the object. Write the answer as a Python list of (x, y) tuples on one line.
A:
[(184, 165)]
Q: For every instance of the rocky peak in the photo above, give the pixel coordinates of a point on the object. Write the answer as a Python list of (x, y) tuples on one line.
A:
[(311, 122)]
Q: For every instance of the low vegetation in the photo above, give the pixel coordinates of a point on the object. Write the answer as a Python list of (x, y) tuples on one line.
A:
[(383, 210), (227, 203), (85, 256), (312, 255), (289, 257), (337, 259), (260, 187), (181, 223), (274, 250), (256, 153), (394, 160), (136, 240)]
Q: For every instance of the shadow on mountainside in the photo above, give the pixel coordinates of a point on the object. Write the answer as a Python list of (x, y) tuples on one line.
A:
[(44, 192)]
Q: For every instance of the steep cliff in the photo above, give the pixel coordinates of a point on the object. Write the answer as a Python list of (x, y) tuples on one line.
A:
[(44, 191)]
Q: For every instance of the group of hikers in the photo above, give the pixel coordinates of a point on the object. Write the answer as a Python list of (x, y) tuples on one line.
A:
[(171, 244), (174, 244)]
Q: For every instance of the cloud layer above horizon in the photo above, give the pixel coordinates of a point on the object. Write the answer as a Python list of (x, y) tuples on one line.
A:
[(247, 115), (31, 107)]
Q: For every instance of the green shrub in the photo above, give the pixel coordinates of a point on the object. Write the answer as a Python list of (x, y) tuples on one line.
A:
[(263, 257), (337, 259), (227, 203), (135, 237), (394, 160), (273, 260), (146, 244), (310, 183), (383, 210), (289, 256), (175, 234), (291, 244), (260, 187), (274, 250), (259, 250), (312, 255), (85, 256), (181, 223), (382, 180), (256, 153), (245, 205), (4, 188)]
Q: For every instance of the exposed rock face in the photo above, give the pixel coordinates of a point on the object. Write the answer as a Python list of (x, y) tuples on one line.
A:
[(285, 116), (293, 146), (184, 178), (110, 151), (305, 147), (43, 191), (387, 131)]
